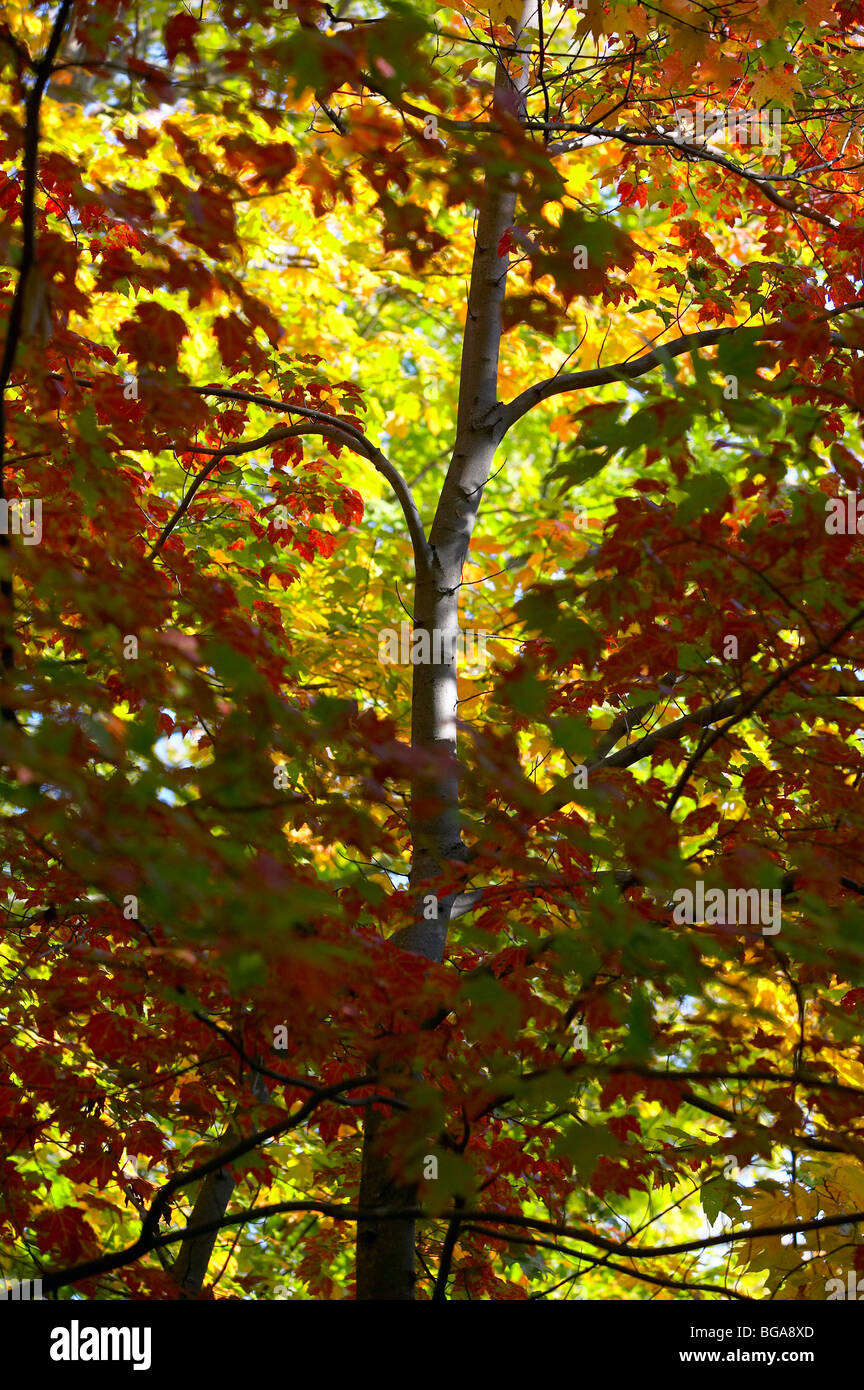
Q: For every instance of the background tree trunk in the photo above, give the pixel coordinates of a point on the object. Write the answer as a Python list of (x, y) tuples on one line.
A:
[(211, 1204)]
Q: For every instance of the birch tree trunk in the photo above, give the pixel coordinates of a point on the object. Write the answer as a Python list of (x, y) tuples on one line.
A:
[(385, 1249)]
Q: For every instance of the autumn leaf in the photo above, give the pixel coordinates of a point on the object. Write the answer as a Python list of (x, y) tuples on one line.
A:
[(180, 32)]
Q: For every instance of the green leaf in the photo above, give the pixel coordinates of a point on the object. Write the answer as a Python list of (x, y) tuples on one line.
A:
[(582, 467), (705, 493), (586, 1145)]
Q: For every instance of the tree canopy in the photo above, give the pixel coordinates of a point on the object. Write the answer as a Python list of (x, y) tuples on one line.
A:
[(431, 648)]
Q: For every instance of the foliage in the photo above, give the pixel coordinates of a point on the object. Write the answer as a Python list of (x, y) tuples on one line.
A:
[(238, 241)]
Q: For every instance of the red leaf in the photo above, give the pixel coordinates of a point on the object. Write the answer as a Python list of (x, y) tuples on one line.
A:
[(273, 162), (144, 1139), (620, 1125), (180, 37), (154, 336), (237, 346), (666, 1093), (96, 1171), (68, 1233)]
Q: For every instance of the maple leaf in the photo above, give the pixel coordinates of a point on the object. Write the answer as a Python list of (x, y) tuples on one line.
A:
[(153, 336), (777, 85), (144, 1138), (97, 1170), (235, 340), (66, 1232), (180, 32)]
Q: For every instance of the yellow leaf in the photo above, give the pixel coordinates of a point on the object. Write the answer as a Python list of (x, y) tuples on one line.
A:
[(775, 86), (502, 10), (629, 19), (562, 425)]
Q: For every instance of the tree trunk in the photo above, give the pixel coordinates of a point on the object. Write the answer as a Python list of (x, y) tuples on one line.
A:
[(385, 1249), (211, 1204)]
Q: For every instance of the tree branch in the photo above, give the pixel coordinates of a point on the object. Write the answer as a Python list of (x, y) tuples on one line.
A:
[(224, 451), (16, 319), (628, 371), (343, 432), (756, 699), (606, 1263), (597, 134), (105, 1264), (439, 1294), (560, 794)]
